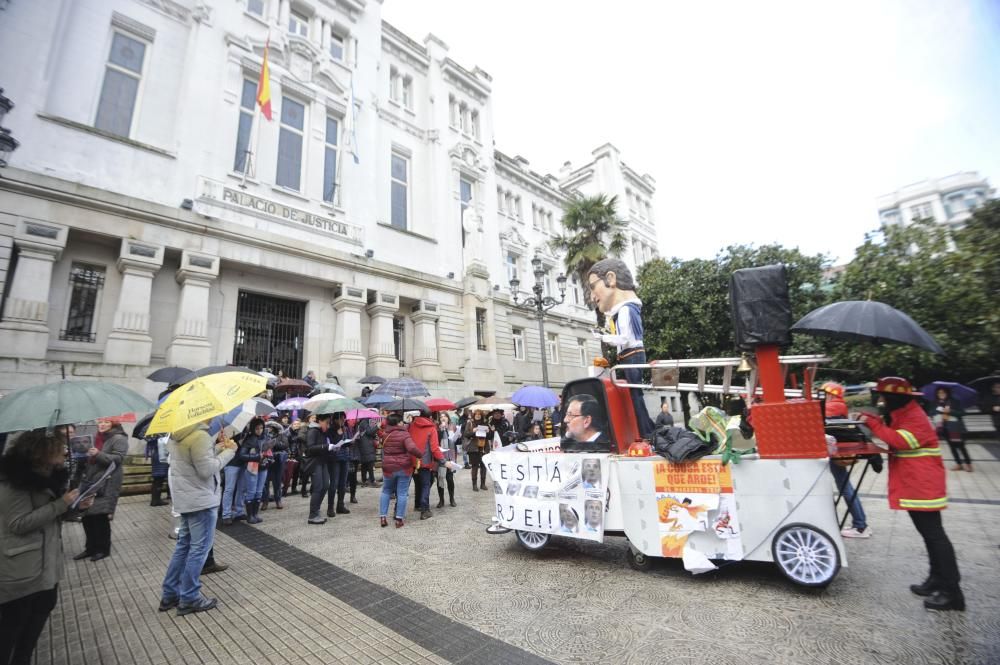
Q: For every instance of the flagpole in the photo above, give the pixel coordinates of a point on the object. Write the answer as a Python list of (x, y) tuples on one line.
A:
[(263, 108), (255, 133)]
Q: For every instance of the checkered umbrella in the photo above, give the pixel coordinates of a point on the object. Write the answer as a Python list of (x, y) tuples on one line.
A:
[(403, 387)]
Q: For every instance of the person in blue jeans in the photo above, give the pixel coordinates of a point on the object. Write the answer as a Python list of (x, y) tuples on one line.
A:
[(233, 507), (859, 523), (251, 452), (399, 457), (194, 488)]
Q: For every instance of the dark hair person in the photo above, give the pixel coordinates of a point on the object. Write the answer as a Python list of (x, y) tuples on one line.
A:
[(33, 478)]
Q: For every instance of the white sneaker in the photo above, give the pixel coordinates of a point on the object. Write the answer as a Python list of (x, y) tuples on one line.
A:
[(854, 533)]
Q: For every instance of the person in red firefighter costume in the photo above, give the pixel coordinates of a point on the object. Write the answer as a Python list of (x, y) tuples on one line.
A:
[(917, 485)]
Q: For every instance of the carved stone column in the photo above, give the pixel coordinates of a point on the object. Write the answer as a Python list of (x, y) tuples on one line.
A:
[(190, 346), (348, 361), (426, 365), (129, 342), (24, 330), (382, 359)]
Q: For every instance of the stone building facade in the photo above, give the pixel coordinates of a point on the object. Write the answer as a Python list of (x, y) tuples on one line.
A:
[(152, 217)]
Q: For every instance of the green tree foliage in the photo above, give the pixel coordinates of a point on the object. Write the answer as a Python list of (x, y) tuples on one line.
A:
[(686, 312), (592, 232), (946, 281)]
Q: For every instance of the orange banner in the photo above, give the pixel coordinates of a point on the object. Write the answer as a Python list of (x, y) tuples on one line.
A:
[(701, 477)]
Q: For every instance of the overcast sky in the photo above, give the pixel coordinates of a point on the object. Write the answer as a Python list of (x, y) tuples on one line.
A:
[(760, 121)]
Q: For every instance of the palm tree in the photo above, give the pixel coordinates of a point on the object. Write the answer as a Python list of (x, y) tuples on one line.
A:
[(592, 232)]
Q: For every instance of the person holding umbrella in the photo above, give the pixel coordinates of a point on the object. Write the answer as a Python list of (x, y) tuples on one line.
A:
[(110, 447), (947, 412), (33, 479), (399, 458), (195, 465), (917, 485)]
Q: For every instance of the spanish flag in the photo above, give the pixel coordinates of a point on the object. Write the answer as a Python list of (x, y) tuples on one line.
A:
[(264, 85)]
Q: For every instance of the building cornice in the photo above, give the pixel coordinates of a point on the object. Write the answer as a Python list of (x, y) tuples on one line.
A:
[(465, 80), (398, 44), (529, 179), (50, 189)]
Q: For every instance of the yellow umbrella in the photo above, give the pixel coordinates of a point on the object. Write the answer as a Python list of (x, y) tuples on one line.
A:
[(203, 398)]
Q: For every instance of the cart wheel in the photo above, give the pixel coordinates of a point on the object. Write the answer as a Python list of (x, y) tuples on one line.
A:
[(637, 560), (806, 555), (532, 540)]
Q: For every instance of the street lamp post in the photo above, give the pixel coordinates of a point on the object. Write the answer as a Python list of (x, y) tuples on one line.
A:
[(540, 304)]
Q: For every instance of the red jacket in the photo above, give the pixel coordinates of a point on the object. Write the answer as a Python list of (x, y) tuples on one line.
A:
[(398, 451), (423, 430), (916, 473)]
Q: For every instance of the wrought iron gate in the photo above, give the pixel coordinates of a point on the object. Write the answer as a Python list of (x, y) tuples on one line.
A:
[(269, 333)]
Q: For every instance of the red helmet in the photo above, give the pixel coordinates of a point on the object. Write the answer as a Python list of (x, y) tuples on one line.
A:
[(895, 385), (832, 388)]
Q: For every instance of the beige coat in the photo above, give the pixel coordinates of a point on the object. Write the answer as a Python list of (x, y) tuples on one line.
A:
[(31, 553)]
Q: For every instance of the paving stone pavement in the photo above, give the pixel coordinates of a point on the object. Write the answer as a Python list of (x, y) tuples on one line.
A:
[(443, 590)]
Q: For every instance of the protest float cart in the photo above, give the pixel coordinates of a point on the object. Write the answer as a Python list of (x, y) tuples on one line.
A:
[(773, 503)]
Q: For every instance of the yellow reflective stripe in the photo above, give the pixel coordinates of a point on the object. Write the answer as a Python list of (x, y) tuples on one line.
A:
[(911, 440), (920, 452), (924, 503)]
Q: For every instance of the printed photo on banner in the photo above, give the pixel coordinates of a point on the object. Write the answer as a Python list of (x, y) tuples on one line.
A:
[(697, 497), (562, 494)]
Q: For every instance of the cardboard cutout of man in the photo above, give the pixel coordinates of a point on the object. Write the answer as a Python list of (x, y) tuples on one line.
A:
[(612, 289)]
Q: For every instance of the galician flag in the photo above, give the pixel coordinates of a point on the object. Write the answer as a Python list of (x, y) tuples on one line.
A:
[(264, 85)]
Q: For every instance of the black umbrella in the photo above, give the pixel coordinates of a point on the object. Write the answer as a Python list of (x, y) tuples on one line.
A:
[(406, 404), (205, 371), (168, 375), (466, 401), (373, 380), (139, 431), (866, 321)]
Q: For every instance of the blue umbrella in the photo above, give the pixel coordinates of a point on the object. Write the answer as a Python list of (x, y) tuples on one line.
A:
[(403, 387), (965, 395), (535, 397), (378, 398)]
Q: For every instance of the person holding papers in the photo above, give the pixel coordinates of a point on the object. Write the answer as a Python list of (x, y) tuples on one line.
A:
[(33, 478), (110, 447)]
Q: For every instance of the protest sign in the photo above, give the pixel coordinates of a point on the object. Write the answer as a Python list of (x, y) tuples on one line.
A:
[(549, 492)]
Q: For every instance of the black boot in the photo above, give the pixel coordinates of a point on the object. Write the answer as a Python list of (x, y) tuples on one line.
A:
[(475, 487), (440, 497), (946, 600), (254, 517), (156, 492), (354, 493), (451, 498), (926, 588), (482, 479), (341, 508)]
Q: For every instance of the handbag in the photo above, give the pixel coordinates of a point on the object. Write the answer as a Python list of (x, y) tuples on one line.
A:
[(307, 466)]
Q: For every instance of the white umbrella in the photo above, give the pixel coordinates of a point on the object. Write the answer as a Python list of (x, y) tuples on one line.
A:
[(318, 400)]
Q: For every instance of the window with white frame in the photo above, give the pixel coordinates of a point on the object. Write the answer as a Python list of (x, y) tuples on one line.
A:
[(510, 204), (549, 223), (330, 159), (408, 92), (547, 281), (248, 99), (337, 43), (475, 125), (400, 177), (293, 117), (464, 195), (464, 116), (452, 111), (399, 339), (536, 217), (298, 24), (552, 348), (511, 263), (575, 289), (481, 338), (499, 200), (581, 349), (85, 285), (120, 91), (518, 209), (517, 336), (394, 84), (255, 7)]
